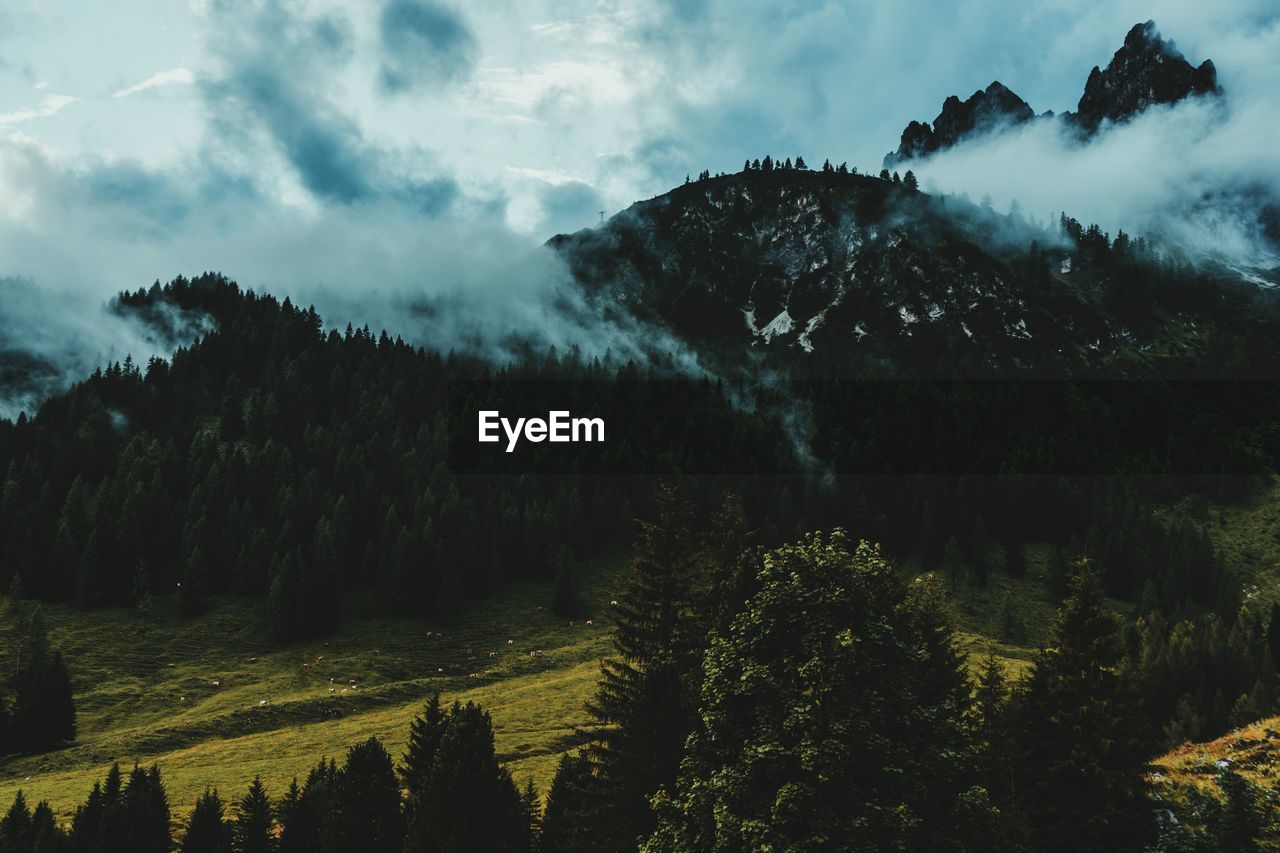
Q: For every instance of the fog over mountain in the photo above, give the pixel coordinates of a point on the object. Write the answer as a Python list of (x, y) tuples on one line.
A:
[(412, 152)]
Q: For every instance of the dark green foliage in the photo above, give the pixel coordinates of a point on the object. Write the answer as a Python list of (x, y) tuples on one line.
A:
[(647, 690), (1084, 757), (46, 835), (43, 715), (208, 830), (369, 797), (146, 812), (833, 713), (16, 826), (567, 822), (309, 813), (465, 800), (424, 736), (254, 821)]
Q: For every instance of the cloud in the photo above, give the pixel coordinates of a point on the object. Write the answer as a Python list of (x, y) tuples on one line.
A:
[(172, 76), (404, 159), (50, 106), (424, 43)]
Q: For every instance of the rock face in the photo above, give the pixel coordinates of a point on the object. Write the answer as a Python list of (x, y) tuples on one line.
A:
[(1146, 70), (984, 111)]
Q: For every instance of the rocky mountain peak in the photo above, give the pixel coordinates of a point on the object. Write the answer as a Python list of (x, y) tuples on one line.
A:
[(984, 111), (1146, 70)]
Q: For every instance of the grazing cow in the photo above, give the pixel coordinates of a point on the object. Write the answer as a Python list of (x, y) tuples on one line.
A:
[(332, 691), (613, 603), (589, 622), (351, 681), (511, 642), (253, 660), (439, 669), (171, 665), (215, 683), (262, 702), (474, 675)]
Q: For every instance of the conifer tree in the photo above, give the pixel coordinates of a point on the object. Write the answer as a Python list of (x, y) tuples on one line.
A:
[(1084, 758), (468, 801), (15, 827), (568, 817), (207, 830), (46, 835), (369, 797), (146, 812), (424, 736), (646, 691), (252, 830)]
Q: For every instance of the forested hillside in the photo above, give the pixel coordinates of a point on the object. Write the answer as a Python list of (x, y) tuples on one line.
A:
[(314, 474)]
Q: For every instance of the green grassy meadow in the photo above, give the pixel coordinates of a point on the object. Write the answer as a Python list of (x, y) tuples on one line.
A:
[(145, 691)]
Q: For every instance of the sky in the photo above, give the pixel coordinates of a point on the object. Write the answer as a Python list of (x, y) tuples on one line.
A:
[(374, 150)]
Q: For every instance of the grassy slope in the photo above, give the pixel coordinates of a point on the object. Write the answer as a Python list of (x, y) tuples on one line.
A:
[(148, 696)]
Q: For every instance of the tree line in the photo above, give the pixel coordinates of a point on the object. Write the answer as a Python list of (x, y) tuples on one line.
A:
[(803, 697)]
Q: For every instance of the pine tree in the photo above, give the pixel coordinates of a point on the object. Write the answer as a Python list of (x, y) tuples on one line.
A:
[(44, 714), (369, 797), (424, 736), (1085, 762), (15, 827), (254, 821), (207, 830), (646, 690), (909, 181), (467, 801), (146, 812), (99, 824), (46, 835), (567, 819)]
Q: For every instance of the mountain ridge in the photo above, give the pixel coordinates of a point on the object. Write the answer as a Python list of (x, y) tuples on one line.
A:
[(1146, 70)]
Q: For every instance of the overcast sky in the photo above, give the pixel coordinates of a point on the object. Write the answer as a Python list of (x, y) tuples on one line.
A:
[(316, 144)]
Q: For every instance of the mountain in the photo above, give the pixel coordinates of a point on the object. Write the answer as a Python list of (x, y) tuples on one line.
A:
[(1145, 71), (984, 111), (855, 267)]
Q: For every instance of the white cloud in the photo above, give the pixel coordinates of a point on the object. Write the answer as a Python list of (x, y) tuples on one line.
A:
[(172, 76), (51, 105)]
